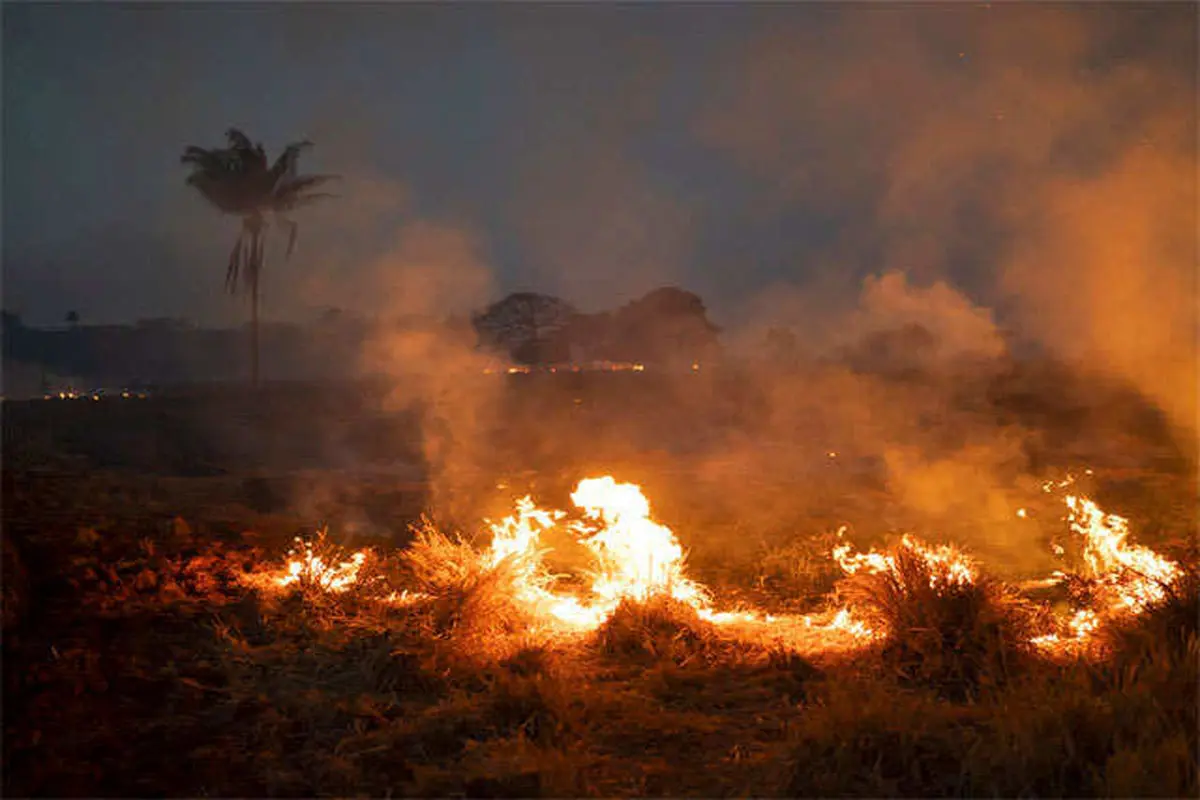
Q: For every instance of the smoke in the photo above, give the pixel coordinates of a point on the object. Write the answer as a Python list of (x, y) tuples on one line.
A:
[(592, 220), (959, 329), (1108, 277), (920, 191), (596, 229), (1041, 158), (424, 350), (996, 177), (993, 177)]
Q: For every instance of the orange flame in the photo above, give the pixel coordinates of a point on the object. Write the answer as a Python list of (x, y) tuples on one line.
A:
[(306, 568), (635, 557), (946, 564), (1137, 575), (1130, 577)]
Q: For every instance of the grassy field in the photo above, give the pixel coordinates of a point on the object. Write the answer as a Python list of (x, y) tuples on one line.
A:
[(137, 661)]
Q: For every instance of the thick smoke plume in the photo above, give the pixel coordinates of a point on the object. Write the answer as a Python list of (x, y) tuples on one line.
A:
[(1043, 158)]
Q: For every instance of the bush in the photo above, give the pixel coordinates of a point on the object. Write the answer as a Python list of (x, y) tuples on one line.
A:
[(1169, 627), (467, 595), (958, 636), (801, 569), (658, 628)]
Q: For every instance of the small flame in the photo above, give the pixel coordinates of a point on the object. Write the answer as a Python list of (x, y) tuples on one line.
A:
[(945, 564), (306, 568)]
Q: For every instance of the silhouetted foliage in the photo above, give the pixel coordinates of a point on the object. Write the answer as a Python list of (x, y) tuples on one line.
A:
[(525, 325), (237, 180), (667, 326)]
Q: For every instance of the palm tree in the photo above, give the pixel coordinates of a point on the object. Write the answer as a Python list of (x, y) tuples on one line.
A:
[(237, 180)]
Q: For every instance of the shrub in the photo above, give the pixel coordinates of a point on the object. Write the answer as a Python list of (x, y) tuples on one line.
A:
[(468, 598), (958, 636), (659, 628)]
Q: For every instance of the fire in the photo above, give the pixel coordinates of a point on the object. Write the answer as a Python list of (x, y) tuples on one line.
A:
[(1136, 575), (843, 620), (946, 565), (638, 557), (634, 557), (1081, 627), (516, 539), (1130, 578), (306, 568)]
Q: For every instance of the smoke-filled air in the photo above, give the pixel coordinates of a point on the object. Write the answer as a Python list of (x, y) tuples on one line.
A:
[(517, 400)]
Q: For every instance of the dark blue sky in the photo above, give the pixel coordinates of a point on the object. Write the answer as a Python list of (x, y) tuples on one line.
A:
[(761, 155)]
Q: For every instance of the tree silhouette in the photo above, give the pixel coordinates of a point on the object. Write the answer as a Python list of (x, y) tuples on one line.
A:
[(236, 180), (526, 325), (667, 326)]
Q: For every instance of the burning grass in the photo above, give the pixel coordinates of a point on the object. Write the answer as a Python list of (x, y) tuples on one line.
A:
[(942, 623), (462, 666)]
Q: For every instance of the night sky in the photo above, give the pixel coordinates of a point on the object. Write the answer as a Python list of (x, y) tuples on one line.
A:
[(768, 157)]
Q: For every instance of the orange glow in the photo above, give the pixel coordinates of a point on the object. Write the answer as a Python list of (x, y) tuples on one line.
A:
[(634, 557)]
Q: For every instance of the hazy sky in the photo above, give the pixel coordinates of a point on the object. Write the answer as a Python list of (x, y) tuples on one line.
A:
[(591, 150)]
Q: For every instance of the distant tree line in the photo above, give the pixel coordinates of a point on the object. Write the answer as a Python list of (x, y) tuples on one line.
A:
[(667, 327), (164, 351)]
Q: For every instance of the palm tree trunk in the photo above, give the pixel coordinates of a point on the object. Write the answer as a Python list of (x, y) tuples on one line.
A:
[(255, 269)]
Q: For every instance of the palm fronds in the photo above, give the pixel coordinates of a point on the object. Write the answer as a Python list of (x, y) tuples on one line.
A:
[(236, 180), (286, 164)]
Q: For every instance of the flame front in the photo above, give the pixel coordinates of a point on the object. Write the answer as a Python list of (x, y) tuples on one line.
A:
[(947, 566), (1128, 578), (636, 558)]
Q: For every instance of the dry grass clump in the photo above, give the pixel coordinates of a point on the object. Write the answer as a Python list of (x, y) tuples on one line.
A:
[(658, 628), (858, 739), (959, 636), (1089, 730), (1060, 733), (467, 596), (800, 569), (542, 707)]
